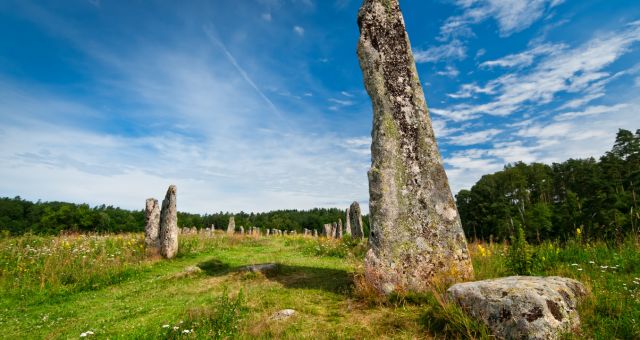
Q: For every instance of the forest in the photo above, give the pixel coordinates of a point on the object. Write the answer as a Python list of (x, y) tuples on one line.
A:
[(19, 216), (590, 198)]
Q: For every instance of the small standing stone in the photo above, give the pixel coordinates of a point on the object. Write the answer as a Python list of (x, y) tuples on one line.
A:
[(347, 228), (169, 225), (315, 233), (355, 218), (241, 230), (339, 233), (231, 227), (152, 225), (327, 230)]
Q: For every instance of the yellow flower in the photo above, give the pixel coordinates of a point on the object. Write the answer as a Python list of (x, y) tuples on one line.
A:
[(578, 231)]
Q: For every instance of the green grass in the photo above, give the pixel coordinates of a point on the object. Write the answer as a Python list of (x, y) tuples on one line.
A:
[(60, 287)]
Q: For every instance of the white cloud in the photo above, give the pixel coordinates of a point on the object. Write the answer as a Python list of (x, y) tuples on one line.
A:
[(590, 111), (578, 70), (449, 71), (346, 94), (524, 58), (266, 16), (454, 50), (471, 138), (440, 128), (512, 15), (469, 90), (298, 30)]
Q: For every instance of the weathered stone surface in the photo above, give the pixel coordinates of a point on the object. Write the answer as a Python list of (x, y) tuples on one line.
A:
[(355, 220), (327, 230), (339, 228), (416, 237), (334, 230), (169, 225), (152, 225), (315, 233), (260, 267), (522, 307), (283, 314), (241, 230), (347, 220), (189, 271), (231, 227)]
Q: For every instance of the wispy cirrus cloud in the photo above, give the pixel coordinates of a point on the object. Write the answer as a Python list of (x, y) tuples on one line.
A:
[(511, 15)]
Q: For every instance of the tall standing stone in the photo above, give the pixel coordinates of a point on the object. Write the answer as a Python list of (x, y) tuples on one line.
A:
[(152, 225), (347, 228), (169, 225), (231, 227), (334, 230), (355, 220), (416, 236), (339, 233)]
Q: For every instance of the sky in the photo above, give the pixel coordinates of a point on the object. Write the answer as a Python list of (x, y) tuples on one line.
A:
[(257, 105)]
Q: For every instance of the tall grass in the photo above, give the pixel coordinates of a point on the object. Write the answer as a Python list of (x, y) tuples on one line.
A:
[(35, 264)]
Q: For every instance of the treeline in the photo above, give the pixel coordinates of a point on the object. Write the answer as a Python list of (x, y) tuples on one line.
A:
[(18, 216), (585, 198)]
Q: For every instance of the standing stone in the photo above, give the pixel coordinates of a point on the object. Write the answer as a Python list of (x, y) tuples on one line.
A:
[(169, 225), (152, 225), (268, 231), (355, 220), (315, 233), (416, 235), (231, 227), (334, 230), (327, 230), (339, 233), (347, 228), (241, 230)]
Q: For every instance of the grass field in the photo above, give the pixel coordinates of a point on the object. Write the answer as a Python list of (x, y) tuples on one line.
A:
[(105, 287)]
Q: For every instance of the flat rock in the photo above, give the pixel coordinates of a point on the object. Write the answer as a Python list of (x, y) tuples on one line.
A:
[(189, 271), (522, 307), (283, 314), (260, 267)]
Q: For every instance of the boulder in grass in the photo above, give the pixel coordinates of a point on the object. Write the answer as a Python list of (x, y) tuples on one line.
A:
[(522, 307)]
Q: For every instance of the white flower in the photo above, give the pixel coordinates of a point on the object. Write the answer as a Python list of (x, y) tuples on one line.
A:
[(579, 268), (165, 326), (175, 328), (591, 262), (574, 264), (82, 335), (85, 334), (186, 331)]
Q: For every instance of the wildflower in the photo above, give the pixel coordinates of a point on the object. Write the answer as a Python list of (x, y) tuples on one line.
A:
[(175, 328), (580, 269), (186, 331), (165, 326), (574, 264), (85, 334), (591, 262)]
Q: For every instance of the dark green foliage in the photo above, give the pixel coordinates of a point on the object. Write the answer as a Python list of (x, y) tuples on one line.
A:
[(551, 202), (18, 216), (519, 259)]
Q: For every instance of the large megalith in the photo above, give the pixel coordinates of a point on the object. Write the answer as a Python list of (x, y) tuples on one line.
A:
[(355, 220), (169, 225), (231, 227), (416, 236), (152, 225)]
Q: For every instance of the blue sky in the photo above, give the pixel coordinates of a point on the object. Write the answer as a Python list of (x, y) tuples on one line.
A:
[(257, 105)]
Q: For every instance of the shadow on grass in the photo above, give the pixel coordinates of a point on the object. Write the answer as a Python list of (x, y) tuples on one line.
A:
[(298, 277)]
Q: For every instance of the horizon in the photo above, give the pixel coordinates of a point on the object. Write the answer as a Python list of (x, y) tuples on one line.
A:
[(260, 106)]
